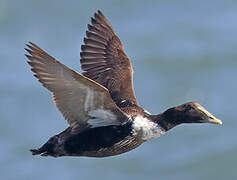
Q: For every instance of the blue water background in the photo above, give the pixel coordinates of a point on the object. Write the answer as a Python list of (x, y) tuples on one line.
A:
[(180, 50)]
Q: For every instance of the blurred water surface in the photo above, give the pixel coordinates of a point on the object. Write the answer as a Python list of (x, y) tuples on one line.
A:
[(181, 51)]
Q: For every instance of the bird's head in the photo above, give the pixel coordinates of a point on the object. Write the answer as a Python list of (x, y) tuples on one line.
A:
[(190, 112)]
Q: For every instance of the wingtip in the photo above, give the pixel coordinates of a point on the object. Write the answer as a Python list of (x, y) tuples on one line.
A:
[(99, 15), (89, 26), (31, 43), (28, 50), (28, 56), (99, 12), (93, 21)]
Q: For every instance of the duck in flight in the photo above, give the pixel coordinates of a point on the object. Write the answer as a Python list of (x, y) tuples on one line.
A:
[(100, 106)]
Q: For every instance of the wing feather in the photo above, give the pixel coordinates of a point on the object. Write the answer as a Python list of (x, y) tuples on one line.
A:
[(82, 101), (104, 61)]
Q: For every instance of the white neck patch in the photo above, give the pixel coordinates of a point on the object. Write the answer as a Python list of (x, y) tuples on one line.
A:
[(146, 129)]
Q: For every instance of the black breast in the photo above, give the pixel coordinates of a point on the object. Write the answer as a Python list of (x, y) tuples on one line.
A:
[(96, 138)]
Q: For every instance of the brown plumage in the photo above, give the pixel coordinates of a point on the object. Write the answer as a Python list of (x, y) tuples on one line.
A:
[(103, 59), (70, 89), (100, 106)]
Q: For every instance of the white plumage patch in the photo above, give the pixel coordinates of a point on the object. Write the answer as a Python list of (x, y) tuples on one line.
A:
[(146, 128), (102, 118), (89, 101), (147, 112)]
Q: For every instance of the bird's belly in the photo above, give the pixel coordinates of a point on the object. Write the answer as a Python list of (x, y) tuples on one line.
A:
[(102, 141), (127, 144)]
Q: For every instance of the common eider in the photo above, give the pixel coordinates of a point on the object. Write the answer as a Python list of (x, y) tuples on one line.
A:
[(99, 105)]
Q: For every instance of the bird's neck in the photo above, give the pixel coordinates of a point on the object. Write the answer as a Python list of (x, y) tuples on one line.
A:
[(164, 122)]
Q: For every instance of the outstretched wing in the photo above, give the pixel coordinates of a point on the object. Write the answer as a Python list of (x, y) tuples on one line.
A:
[(83, 102), (104, 61)]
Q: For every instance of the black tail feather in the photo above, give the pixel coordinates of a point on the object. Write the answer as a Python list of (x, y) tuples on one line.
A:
[(47, 148), (35, 151)]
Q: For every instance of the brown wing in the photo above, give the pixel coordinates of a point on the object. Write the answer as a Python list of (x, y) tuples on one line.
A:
[(104, 61), (82, 101)]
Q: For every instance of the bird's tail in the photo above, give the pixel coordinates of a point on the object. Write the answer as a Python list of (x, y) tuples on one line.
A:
[(48, 148)]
